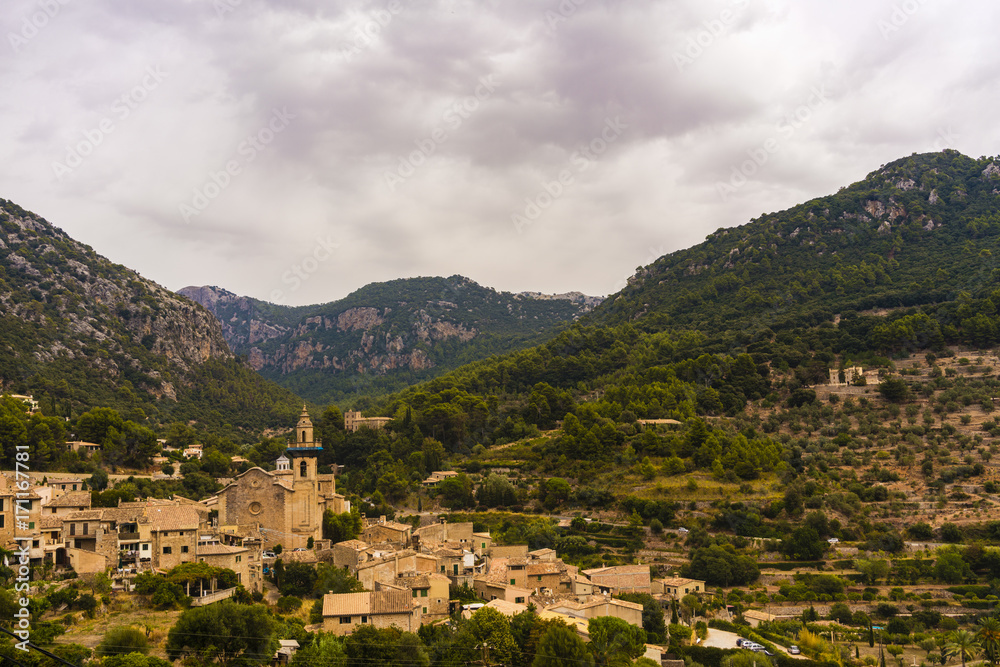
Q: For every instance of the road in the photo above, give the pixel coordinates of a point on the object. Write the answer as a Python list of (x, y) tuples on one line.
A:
[(724, 639), (720, 639)]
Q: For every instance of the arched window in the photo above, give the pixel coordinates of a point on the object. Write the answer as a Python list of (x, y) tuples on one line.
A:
[(302, 469)]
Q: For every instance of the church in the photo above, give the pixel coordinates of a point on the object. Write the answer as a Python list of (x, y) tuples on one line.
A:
[(286, 505)]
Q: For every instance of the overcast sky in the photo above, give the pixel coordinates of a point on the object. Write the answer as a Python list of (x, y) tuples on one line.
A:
[(296, 150)]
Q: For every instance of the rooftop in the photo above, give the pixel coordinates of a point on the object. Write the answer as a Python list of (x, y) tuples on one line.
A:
[(367, 603), (72, 499), (219, 550), (173, 518)]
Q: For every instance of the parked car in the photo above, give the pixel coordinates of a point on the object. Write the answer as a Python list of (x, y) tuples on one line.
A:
[(739, 642), (794, 650), (300, 549), (268, 554)]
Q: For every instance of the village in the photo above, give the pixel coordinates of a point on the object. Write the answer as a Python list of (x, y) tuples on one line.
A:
[(408, 573)]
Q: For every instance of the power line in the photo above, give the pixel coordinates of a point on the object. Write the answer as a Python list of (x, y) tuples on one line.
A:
[(37, 648)]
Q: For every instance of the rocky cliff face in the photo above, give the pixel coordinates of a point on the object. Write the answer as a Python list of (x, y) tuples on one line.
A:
[(415, 326), (64, 305), (242, 325)]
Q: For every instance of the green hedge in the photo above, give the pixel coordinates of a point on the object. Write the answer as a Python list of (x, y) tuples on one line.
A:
[(979, 591), (786, 566)]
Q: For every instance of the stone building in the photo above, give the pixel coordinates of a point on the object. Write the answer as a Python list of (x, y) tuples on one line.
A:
[(389, 567), (7, 509), (353, 421), (174, 535), (620, 579), (431, 590), (230, 557), (68, 502), (677, 587), (287, 504), (381, 531), (343, 612), (349, 554), (630, 612)]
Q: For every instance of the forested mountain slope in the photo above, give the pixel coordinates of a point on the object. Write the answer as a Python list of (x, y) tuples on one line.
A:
[(78, 331), (919, 230), (384, 336), (901, 261)]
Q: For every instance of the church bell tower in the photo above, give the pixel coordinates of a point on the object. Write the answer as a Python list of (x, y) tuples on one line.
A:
[(306, 511)]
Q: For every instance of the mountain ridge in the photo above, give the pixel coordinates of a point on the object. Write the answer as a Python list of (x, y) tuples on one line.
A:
[(81, 330), (860, 235), (384, 334)]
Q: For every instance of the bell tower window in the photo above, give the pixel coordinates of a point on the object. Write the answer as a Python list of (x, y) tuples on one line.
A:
[(302, 469)]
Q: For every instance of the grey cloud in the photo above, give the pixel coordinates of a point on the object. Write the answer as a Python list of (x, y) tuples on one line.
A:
[(362, 104)]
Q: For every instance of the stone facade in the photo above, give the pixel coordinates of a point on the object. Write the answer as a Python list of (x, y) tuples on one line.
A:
[(343, 612), (286, 505), (353, 421), (174, 535), (388, 568), (620, 579), (678, 587), (446, 532), (380, 531), (237, 559), (349, 554), (630, 612)]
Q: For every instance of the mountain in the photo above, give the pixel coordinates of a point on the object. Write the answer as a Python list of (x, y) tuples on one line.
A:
[(919, 230), (384, 336), (78, 330), (900, 262)]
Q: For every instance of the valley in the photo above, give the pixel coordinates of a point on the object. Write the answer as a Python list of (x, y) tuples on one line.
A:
[(795, 419)]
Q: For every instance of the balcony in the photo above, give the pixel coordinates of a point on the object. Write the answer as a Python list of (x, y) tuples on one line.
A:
[(128, 536)]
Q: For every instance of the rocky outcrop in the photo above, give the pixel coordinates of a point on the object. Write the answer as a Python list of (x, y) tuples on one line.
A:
[(98, 313), (407, 325), (242, 325), (354, 319)]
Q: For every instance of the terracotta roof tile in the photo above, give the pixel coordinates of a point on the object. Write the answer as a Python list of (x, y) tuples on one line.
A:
[(347, 604), (219, 550), (367, 603), (392, 602), (542, 568), (72, 499), (356, 545), (173, 518)]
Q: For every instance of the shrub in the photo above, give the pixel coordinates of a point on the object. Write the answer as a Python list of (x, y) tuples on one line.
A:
[(289, 603), (123, 640)]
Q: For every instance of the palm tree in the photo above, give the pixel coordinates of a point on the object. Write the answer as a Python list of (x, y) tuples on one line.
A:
[(963, 644), (989, 637)]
